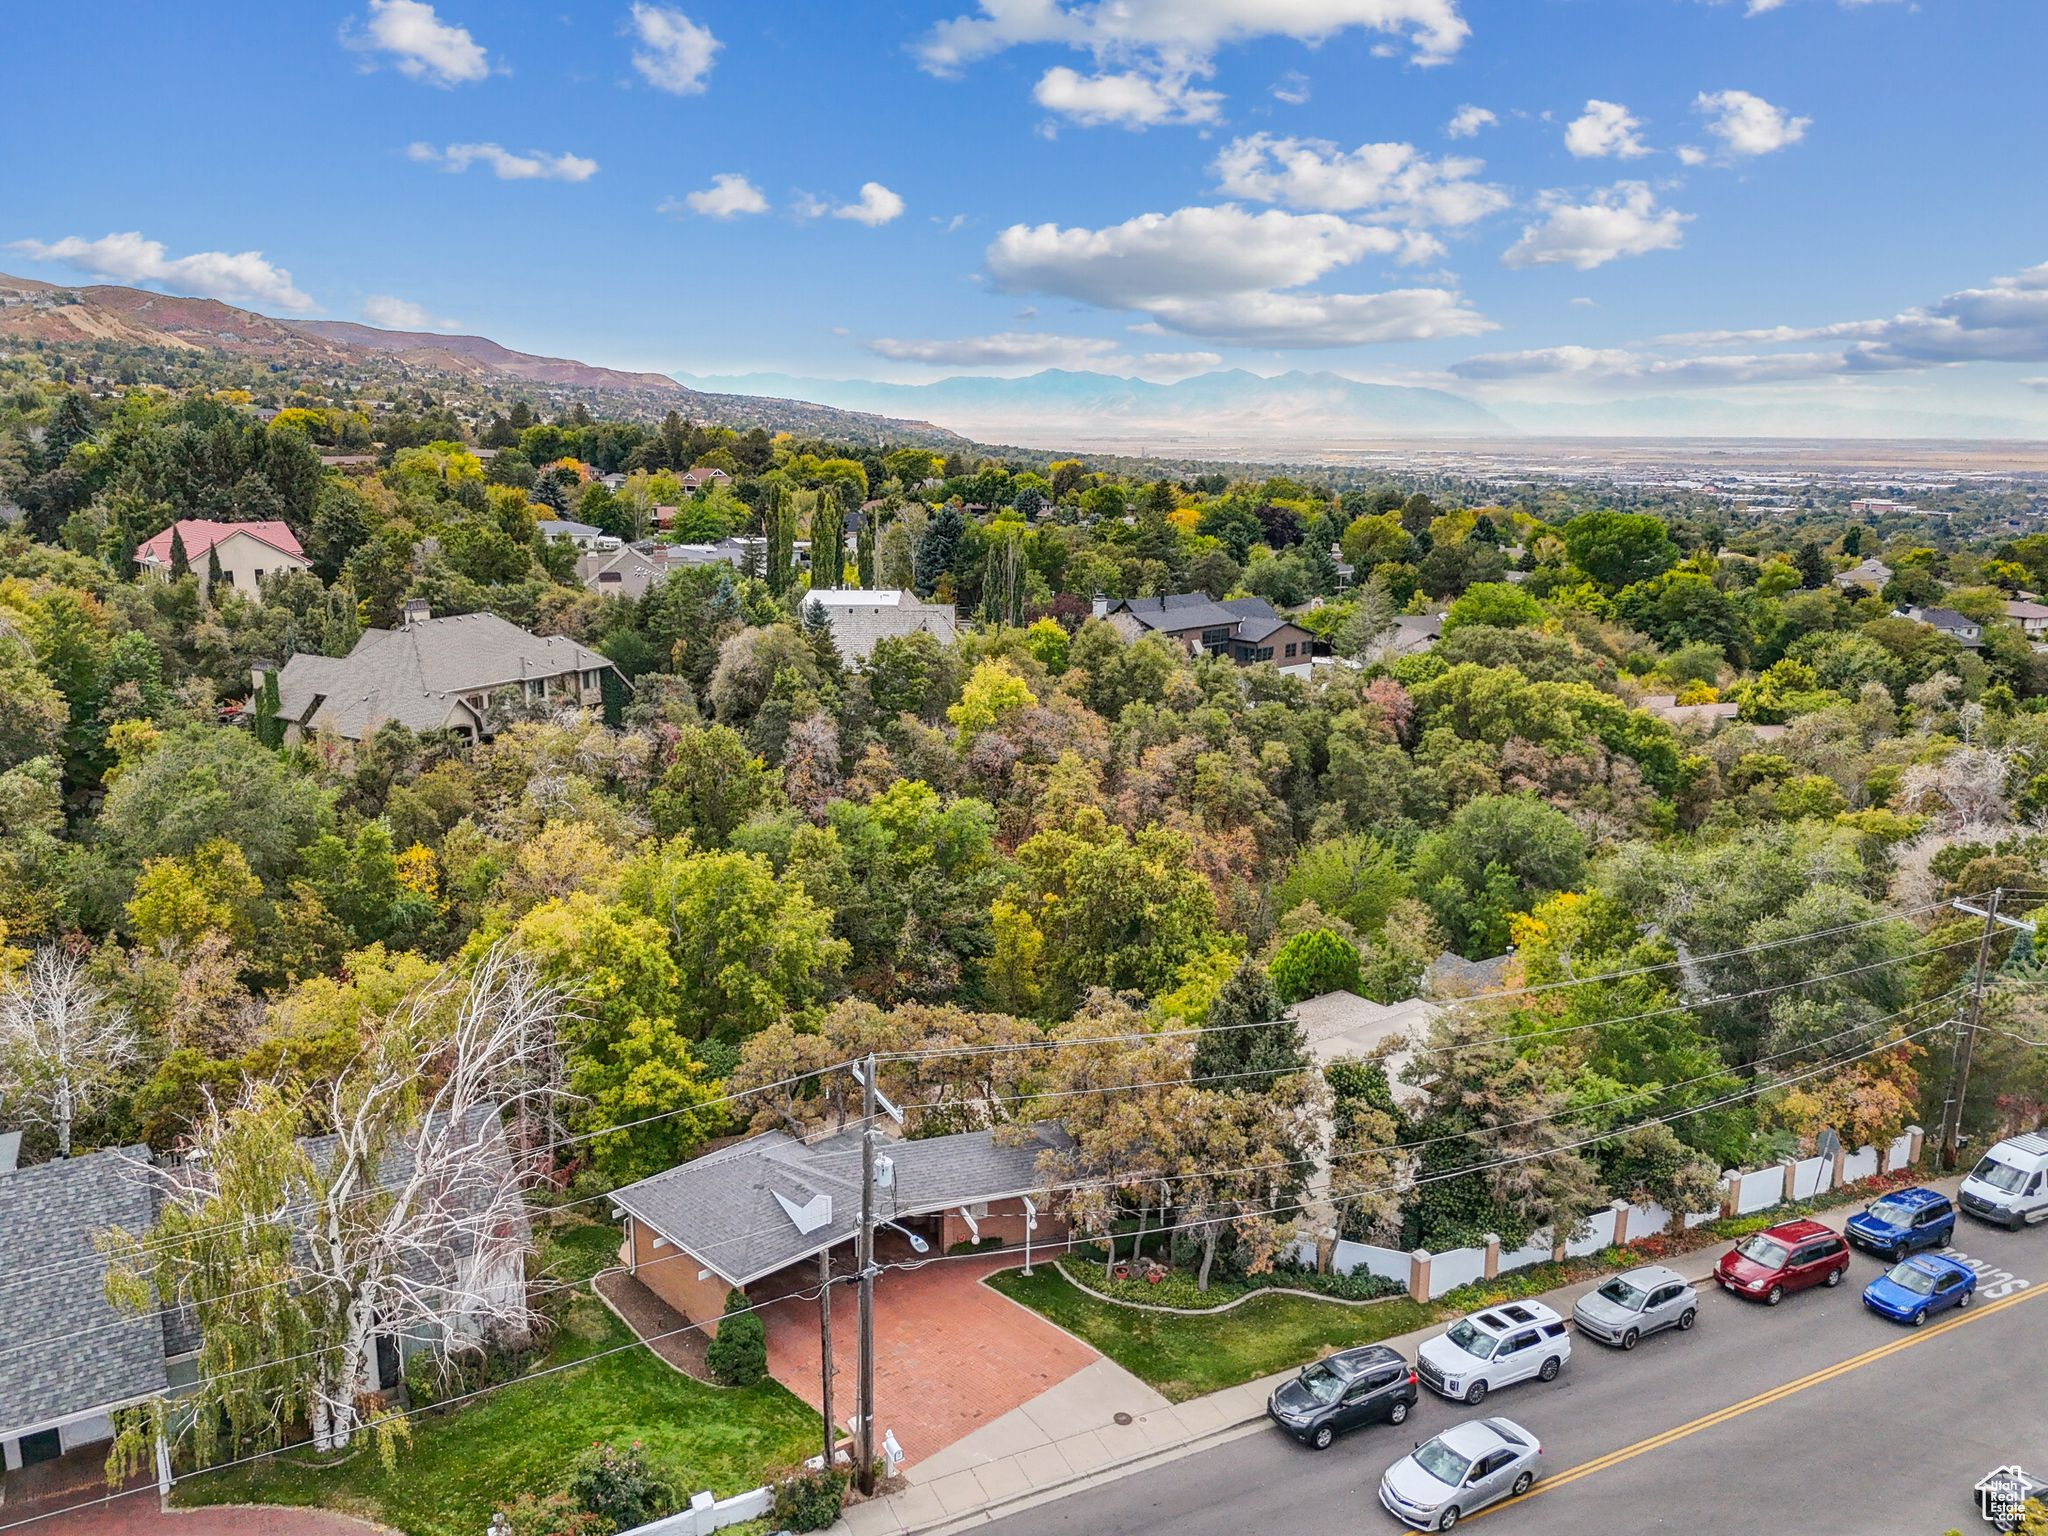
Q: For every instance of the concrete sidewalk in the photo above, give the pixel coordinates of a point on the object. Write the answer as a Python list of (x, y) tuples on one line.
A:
[(1070, 1438)]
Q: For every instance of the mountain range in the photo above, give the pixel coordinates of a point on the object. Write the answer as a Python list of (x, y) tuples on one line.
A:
[(107, 314), (1061, 407)]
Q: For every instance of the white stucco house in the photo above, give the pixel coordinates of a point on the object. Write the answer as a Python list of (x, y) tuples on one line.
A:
[(247, 552)]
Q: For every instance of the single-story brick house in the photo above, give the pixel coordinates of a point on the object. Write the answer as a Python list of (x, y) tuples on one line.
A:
[(734, 1217)]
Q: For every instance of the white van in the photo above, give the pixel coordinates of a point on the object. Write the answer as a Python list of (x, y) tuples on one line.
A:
[(2010, 1182)]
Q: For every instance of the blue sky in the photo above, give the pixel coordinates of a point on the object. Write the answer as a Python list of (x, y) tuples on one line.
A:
[(1818, 198)]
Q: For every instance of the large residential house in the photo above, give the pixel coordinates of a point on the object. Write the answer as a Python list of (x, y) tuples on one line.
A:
[(702, 477), (582, 535), (1869, 573), (1962, 629), (737, 1218), (79, 1360), (1245, 629), (859, 617), (435, 674), (2032, 618), (247, 552)]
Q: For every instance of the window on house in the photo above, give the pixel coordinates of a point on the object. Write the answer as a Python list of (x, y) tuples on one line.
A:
[(535, 689), (1291, 648)]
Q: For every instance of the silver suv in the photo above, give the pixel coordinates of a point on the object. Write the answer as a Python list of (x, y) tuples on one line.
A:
[(1637, 1302), (1495, 1348)]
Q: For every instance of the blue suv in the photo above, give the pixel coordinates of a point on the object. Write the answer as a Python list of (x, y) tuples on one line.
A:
[(1903, 1222), (1914, 1288)]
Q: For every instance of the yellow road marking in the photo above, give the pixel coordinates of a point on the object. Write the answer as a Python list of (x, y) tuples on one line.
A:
[(1762, 1399)]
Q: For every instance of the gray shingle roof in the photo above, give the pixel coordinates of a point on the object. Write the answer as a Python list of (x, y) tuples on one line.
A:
[(861, 617), (722, 1207), (52, 1284), (417, 675)]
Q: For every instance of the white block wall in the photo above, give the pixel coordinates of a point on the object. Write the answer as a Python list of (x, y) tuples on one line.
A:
[(1859, 1165), (1534, 1251), (1388, 1263), (1764, 1187), (1600, 1234), (1461, 1266)]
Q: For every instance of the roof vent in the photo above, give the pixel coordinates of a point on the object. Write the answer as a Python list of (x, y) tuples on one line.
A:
[(810, 1216), (416, 611)]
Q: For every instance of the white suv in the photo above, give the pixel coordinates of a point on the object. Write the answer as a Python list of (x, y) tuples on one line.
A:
[(1508, 1343)]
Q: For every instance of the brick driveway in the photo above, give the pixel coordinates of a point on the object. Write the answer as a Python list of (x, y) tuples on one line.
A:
[(950, 1354)]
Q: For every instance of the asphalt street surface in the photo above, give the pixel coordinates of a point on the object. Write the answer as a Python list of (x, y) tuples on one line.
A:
[(1814, 1418)]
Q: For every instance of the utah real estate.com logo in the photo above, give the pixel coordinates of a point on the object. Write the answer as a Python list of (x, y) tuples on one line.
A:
[(2002, 1497)]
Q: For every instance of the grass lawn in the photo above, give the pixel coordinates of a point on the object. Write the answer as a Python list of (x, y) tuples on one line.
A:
[(1185, 1357), (473, 1459)]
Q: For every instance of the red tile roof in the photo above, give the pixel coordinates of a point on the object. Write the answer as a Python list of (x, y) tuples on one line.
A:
[(200, 536)]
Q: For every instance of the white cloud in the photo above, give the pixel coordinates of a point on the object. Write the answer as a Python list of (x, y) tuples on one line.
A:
[(2006, 321), (1747, 124), (1219, 273), (396, 314), (1292, 88), (1582, 302), (1466, 122), (729, 195), (419, 44), (1691, 154), (1187, 29), (2038, 385), (1388, 180), (534, 165), (1146, 51), (877, 205), (1033, 349), (1605, 128), (675, 54), (1127, 99), (1623, 220), (241, 277)]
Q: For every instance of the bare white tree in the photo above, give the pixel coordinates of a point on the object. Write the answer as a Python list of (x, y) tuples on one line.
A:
[(60, 1042), (409, 1220), (1965, 791)]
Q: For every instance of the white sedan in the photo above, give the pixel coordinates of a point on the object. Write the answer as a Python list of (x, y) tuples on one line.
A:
[(1466, 1468)]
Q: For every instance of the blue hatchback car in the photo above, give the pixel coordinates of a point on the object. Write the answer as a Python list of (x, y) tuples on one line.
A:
[(1904, 1221), (1914, 1289)]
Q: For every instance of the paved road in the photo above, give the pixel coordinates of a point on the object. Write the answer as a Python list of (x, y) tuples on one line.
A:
[(1813, 1419)]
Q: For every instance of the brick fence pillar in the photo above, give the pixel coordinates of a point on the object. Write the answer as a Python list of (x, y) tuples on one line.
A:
[(1791, 1192), (1492, 1256), (1841, 1165), (1731, 1191), (1621, 1210), (1915, 1144), (1418, 1275)]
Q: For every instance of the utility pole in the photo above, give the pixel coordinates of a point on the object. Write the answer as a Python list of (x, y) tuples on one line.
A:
[(825, 1351), (1966, 1034), (864, 1472)]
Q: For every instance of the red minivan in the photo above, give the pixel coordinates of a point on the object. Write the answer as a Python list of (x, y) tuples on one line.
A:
[(1788, 1257)]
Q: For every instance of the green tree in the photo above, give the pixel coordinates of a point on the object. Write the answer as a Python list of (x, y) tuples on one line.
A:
[(1617, 549), (713, 783), (1498, 855), (1313, 962)]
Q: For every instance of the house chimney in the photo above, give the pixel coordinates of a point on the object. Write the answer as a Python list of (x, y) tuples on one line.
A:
[(416, 611), (1100, 607)]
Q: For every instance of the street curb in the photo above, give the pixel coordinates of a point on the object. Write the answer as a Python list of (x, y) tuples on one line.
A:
[(1045, 1493)]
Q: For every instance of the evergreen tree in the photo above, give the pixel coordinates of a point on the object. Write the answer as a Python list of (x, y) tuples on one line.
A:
[(181, 563), (1233, 1048), (71, 423), (214, 574), (864, 551), (936, 549), (1812, 566), (780, 527)]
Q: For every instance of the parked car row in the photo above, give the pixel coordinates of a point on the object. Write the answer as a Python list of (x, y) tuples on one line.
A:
[(1481, 1461)]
